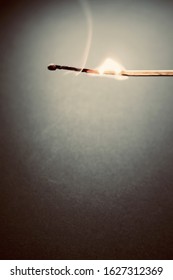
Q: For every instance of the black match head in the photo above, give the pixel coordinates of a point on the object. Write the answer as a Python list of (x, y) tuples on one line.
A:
[(52, 67)]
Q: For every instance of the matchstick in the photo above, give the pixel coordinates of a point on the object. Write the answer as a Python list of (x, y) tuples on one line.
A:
[(129, 73), (54, 67), (146, 73)]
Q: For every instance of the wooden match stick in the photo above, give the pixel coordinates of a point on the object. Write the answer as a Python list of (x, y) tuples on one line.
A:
[(147, 73), (129, 73)]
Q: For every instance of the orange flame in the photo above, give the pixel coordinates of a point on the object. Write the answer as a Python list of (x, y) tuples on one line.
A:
[(112, 67)]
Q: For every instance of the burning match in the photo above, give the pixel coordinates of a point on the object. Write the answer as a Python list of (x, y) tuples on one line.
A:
[(119, 71)]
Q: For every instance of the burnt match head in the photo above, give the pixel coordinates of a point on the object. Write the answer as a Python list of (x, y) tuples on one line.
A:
[(52, 67)]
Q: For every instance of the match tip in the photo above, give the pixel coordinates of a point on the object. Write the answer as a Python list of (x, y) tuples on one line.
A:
[(52, 67)]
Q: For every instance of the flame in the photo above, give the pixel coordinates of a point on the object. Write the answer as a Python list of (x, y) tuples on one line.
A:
[(112, 67)]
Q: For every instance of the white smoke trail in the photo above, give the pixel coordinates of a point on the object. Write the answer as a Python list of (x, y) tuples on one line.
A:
[(88, 16)]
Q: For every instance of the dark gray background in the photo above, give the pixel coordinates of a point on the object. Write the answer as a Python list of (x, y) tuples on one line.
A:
[(86, 162)]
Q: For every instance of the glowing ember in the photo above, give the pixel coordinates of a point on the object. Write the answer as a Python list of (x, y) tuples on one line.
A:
[(112, 67)]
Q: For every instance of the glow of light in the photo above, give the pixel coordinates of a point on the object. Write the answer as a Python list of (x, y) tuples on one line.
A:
[(109, 65)]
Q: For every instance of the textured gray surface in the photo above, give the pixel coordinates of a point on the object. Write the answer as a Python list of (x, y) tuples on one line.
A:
[(86, 162)]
